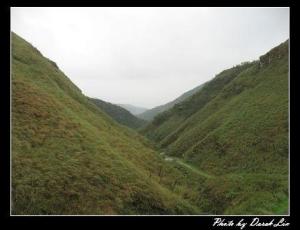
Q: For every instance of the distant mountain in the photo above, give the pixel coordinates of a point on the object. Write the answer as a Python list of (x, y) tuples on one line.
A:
[(119, 114), (135, 110), (151, 113)]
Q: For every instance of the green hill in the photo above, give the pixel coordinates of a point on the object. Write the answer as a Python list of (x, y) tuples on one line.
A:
[(119, 114), (149, 114), (235, 127), (69, 157)]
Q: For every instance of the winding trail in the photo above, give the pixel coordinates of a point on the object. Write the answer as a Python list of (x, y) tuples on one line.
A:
[(192, 168), (280, 207)]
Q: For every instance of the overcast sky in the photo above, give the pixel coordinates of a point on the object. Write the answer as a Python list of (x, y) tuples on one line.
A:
[(148, 56)]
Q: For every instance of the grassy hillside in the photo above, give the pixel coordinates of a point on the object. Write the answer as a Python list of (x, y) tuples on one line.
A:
[(119, 114), (151, 113), (69, 157), (242, 111), (235, 128)]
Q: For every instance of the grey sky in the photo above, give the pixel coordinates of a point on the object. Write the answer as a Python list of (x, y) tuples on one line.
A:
[(148, 56)]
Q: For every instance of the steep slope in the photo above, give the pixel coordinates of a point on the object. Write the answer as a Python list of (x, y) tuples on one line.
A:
[(119, 114), (69, 157), (135, 110), (236, 128), (149, 115), (242, 110)]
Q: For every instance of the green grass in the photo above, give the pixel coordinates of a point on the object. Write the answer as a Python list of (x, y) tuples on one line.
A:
[(236, 193), (236, 128), (70, 157), (192, 168)]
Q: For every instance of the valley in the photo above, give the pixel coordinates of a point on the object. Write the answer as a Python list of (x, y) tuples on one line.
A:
[(221, 148)]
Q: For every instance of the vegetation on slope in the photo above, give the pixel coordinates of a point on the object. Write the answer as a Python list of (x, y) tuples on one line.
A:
[(69, 157), (236, 128), (119, 114), (242, 111), (151, 113)]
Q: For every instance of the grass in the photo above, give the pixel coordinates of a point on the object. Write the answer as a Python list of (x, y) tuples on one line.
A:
[(236, 128), (236, 193), (70, 157), (192, 168)]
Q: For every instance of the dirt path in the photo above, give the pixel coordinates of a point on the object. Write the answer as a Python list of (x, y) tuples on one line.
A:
[(194, 169)]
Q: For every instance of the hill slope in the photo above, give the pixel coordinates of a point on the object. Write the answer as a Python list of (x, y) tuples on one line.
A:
[(235, 126), (119, 114), (151, 113), (242, 110), (135, 110), (69, 157)]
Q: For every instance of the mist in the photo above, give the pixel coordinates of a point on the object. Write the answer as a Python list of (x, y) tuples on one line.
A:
[(148, 56)]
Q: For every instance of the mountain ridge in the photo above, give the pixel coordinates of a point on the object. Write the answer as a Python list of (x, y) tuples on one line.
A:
[(151, 113), (135, 110), (118, 113)]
